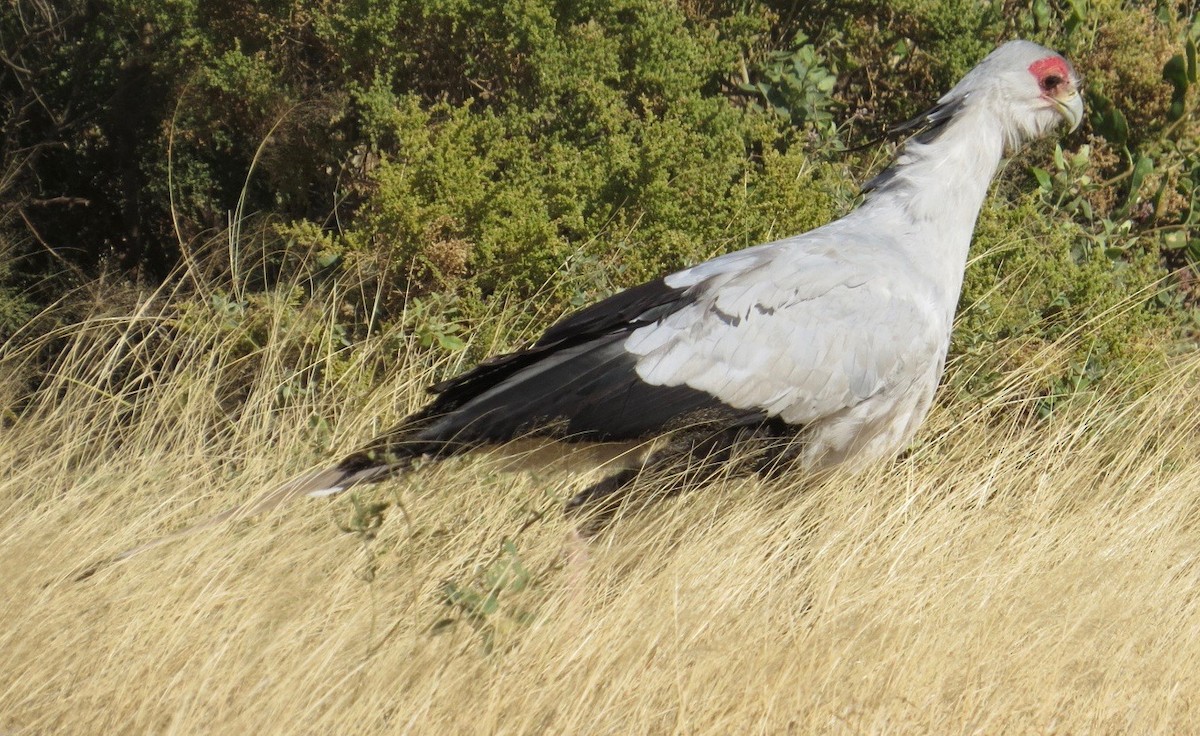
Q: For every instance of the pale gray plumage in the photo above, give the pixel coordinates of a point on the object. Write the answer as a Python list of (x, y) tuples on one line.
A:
[(844, 330), (833, 340)]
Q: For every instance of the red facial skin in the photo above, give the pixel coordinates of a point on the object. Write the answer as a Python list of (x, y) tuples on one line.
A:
[(1051, 73)]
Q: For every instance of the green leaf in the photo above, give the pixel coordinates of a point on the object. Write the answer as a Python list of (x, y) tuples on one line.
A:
[(490, 605), (1193, 250), (1108, 120), (1175, 71), (1120, 126), (1157, 199), (1043, 177), (1176, 110), (1142, 169), (1041, 11), (1179, 72), (450, 342)]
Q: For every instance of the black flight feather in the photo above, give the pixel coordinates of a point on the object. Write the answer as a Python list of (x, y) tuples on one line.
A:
[(576, 383)]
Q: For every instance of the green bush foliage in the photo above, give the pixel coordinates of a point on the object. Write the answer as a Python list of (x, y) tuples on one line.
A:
[(1039, 287), (423, 160)]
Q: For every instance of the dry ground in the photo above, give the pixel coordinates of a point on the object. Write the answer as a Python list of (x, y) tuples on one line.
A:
[(1007, 576)]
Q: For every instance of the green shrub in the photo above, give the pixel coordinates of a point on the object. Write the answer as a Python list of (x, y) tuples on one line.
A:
[(1036, 286), (408, 157)]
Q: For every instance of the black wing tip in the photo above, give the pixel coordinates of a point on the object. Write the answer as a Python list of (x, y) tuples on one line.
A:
[(622, 312)]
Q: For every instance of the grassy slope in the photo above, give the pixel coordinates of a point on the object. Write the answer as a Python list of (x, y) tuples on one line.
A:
[(1004, 576)]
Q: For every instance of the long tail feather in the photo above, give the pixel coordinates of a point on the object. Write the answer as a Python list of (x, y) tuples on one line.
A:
[(328, 482)]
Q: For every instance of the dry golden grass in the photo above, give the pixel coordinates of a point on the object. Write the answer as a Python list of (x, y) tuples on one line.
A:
[(1006, 576)]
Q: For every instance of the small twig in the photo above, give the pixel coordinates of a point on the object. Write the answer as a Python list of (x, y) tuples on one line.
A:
[(15, 66), (41, 241), (68, 201)]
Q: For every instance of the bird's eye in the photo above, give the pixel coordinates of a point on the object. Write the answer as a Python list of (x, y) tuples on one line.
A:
[(1050, 81)]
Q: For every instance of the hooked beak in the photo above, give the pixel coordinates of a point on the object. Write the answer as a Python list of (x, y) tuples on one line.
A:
[(1071, 108)]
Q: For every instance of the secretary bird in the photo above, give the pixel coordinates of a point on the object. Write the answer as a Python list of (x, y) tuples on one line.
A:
[(821, 348)]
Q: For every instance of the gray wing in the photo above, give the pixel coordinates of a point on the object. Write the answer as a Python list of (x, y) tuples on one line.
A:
[(799, 331)]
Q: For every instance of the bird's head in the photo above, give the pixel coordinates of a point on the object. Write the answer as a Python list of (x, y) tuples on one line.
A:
[(1027, 85), (1024, 87)]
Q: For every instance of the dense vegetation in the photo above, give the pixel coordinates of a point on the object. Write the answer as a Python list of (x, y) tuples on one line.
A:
[(424, 159), (239, 238)]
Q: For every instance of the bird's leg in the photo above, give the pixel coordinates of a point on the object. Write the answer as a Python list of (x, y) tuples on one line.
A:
[(604, 488), (777, 457), (688, 458)]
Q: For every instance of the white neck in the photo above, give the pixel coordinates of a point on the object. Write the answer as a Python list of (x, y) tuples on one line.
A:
[(934, 191)]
